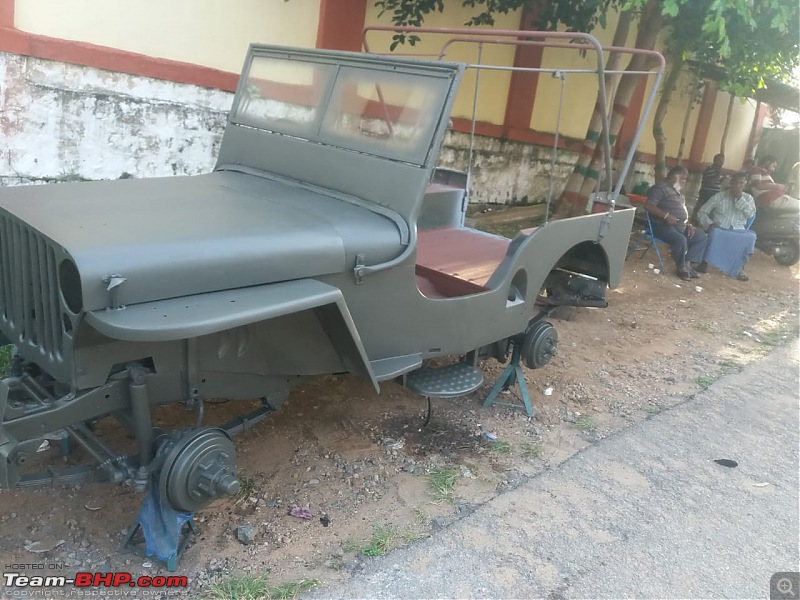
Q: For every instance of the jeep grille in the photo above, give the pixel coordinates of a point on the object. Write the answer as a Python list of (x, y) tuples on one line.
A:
[(29, 302)]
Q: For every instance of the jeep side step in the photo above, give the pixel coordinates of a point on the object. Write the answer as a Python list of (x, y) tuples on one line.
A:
[(450, 381)]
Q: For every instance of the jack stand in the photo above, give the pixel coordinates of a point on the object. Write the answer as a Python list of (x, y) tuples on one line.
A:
[(165, 531), (511, 374)]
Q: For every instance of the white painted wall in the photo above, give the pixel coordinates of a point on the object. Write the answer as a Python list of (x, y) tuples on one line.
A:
[(62, 122)]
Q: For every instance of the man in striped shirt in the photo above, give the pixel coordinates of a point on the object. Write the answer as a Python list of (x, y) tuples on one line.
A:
[(711, 183), (725, 218)]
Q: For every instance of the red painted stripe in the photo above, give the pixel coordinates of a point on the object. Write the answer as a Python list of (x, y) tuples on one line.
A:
[(522, 90), (755, 130), (523, 86), (112, 59), (6, 13), (703, 122), (631, 122), (527, 136), (340, 24)]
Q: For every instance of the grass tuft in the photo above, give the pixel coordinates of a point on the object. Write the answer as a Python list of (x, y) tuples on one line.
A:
[(384, 538), (291, 590), (705, 381), (730, 366), (500, 447), (242, 587), (257, 587), (585, 423), (530, 450), (773, 338), (443, 481)]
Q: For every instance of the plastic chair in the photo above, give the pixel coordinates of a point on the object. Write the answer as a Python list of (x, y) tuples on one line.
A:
[(647, 236)]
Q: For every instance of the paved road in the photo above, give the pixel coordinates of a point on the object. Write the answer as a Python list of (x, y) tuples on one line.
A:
[(644, 513)]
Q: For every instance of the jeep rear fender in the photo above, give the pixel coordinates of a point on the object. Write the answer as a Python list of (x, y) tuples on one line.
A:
[(568, 243), (203, 314)]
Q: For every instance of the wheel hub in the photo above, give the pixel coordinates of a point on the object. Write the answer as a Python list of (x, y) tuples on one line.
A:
[(539, 345), (199, 468)]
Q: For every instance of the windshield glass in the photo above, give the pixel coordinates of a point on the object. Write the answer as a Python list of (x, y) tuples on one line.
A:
[(284, 95), (390, 113)]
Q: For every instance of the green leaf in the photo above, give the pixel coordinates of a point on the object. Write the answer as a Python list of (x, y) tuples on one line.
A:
[(670, 8)]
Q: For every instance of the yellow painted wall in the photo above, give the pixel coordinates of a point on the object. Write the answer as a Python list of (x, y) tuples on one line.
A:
[(579, 90), (738, 135), (741, 121), (212, 33), (493, 85), (673, 121)]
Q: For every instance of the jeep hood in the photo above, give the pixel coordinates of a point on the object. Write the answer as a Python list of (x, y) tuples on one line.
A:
[(176, 236)]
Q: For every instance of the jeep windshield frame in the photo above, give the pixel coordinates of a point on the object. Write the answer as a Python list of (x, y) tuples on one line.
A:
[(388, 110)]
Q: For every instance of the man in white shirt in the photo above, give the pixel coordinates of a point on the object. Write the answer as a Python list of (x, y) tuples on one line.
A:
[(725, 218)]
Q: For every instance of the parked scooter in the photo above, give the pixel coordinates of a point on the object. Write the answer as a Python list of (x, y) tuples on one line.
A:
[(778, 231)]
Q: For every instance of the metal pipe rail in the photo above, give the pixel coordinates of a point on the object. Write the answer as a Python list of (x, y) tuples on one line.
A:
[(577, 41)]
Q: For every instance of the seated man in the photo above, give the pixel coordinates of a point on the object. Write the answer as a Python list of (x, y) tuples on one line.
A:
[(710, 184), (725, 217), (667, 208), (767, 193)]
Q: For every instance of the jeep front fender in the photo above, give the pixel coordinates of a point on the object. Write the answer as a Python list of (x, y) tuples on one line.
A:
[(203, 314)]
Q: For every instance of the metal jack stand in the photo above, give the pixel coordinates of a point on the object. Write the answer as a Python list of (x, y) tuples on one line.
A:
[(512, 374)]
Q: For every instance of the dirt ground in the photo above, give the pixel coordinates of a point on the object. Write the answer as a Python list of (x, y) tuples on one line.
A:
[(366, 468)]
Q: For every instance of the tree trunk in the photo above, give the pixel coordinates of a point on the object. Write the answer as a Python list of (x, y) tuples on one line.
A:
[(727, 124), (586, 173), (685, 128), (752, 142), (615, 60), (572, 189), (674, 69)]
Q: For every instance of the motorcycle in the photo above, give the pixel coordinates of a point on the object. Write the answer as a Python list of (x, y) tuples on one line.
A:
[(778, 232)]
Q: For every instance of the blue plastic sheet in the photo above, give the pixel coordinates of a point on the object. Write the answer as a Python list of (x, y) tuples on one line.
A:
[(161, 525)]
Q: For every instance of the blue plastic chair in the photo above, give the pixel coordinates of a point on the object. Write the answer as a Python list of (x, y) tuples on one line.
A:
[(647, 239)]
